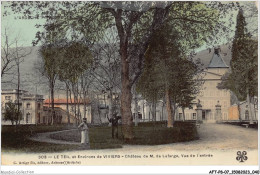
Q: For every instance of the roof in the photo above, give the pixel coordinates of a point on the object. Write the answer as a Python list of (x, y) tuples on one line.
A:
[(64, 101), (205, 56), (217, 61)]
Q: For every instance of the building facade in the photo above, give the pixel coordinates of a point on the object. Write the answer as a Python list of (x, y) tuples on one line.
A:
[(244, 109), (76, 109), (31, 105), (214, 103)]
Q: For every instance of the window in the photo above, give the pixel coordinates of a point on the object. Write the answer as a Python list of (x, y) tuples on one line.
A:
[(39, 117), (194, 116), (246, 115), (28, 105), (28, 117), (39, 105), (180, 116), (8, 97)]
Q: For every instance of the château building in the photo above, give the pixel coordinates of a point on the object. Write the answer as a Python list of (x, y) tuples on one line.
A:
[(31, 105), (210, 95)]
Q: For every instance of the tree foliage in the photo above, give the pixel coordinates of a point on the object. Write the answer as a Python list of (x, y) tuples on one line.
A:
[(12, 113), (169, 71), (243, 74), (136, 24)]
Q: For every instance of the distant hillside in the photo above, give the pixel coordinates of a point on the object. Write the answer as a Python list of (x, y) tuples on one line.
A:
[(32, 81), (30, 77)]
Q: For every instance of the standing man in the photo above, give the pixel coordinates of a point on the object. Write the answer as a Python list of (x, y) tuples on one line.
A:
[(114, 122), (83, 127)]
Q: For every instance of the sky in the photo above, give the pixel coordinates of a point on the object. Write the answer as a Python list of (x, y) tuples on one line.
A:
[(25, 29)]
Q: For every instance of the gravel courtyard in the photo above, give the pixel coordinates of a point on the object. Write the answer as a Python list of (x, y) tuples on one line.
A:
[(216, 137), (212, 137), (218, 145)]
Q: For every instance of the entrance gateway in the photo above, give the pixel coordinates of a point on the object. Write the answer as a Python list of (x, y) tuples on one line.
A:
[(208, 116)]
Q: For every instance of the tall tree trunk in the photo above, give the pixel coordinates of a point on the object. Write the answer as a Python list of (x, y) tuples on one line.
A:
[(143, 112), (18, 89), (78, 103), (136, 107), (150, 109), (154, 110), (239, 111), (74, 104), (126, 97), (67, 103), (253, 110), (136, 112), (99, 116), (169, 108), (18, 82), (110, 104), (183, 113), (174, 111), (162, 110), (85, 105), (52, 102)]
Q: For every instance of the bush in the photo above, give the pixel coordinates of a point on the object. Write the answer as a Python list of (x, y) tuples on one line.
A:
[(156, 134), (150, 133), (15, 138)]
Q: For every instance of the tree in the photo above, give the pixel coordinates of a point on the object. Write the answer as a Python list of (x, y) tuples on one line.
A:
[(136, 23), (106, 70), (7, 56), (12, 55), (50, 52), (74, 71), (12, 113), (168, 72), (242, 80)]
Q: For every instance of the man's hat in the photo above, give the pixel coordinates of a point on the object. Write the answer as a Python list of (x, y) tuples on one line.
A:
[(84, 119)]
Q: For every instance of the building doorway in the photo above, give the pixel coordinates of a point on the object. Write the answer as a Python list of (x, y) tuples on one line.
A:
[(246, 115)]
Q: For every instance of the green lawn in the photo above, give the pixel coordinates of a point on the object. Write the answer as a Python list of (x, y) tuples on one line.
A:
[(15, 139), (100, 137)]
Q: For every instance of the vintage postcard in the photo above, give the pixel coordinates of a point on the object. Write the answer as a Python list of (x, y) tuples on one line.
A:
[(129, 83)]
